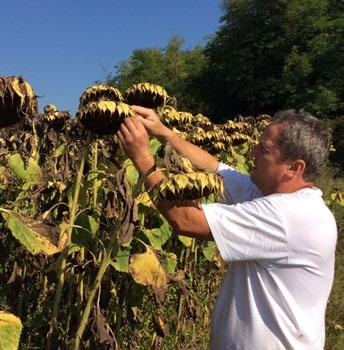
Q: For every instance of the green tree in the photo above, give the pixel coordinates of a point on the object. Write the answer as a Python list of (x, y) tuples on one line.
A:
[(276, 54), (171, 66)]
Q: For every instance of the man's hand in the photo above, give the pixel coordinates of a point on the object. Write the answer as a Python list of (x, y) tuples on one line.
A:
[(201, 159), (152, 122), (135, 140), (186, 218)]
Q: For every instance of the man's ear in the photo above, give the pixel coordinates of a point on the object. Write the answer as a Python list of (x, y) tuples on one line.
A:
[(296, 167)]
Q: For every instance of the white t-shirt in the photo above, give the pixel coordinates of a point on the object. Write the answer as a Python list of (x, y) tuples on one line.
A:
[(281, 248)]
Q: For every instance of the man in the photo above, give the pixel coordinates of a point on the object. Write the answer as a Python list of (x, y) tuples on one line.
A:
[(275, 230)]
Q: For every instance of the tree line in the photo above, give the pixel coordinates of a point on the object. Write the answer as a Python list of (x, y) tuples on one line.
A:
[(264, 56)]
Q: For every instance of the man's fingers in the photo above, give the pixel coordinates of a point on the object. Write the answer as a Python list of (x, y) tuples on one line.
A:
[(124, 129), (130, 124), (143, 121), (120, 136), (142, 111), (136, 122), (136, 125)]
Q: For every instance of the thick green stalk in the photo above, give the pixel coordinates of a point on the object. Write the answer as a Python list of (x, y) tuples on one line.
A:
[(94, 170), (62, 267), (69, 307), (80, 282), (86, 313), (84, 155), (34, 152)]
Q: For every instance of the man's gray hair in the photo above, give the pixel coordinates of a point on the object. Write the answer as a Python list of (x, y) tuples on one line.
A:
[(303, 137)]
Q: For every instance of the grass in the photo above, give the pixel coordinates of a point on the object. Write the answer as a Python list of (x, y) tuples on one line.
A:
[(330, 181), (335, 308)]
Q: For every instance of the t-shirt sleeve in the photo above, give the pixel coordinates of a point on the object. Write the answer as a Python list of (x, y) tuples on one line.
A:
[(251, 230), (238, 187)]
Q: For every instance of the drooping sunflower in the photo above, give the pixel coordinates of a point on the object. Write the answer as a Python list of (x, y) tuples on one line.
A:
[(53, 118), (17, 100), (100, 92), (103, 117), (146, 95), (188, 186)]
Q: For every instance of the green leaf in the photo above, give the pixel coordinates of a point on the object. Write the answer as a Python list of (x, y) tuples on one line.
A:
[(209, 250), (59, 150), (158, 236), (185, 240), (36, 237), (85, 228), (131, 174), (10, 329), (242, 149), (242, 168), (169, 262), (154, 145), (31, 174), (122, 260)]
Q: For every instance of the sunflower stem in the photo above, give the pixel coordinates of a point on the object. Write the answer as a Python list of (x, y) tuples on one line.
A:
[(94, 170), (63, 264), (80, 279), (35, 154), (87, 310)]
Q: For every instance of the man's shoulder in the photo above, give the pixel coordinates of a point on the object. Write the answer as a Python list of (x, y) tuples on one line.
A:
[(299, 197), (304, 212), (305, 207), (238, 187)]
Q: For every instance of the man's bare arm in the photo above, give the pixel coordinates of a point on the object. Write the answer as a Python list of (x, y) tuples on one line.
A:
[(186, 218), (201, 159)]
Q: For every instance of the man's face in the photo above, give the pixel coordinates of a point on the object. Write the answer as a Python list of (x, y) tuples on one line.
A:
[(269, 170)]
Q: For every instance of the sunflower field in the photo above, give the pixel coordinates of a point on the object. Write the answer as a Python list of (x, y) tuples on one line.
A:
[(86, 261)]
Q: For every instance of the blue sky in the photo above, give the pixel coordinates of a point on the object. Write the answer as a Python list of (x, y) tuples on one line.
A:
[(62, 47)]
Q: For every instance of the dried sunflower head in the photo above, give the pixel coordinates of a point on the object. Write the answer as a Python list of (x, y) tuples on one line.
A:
[(237, 138), (229, 126), (169, 116), (181, 120), (17, 100), (53, 118), (217, 146), (203, 122), (100, 92), (188, 186), (103, 117), (146, 95), (49, 109), (174, 162), (200, 137), (217, 135)]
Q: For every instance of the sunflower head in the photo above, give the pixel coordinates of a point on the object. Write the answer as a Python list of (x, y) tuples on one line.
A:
[(17, 100), (103, 117), (53, 118), (188, 186), (100, 92), (146, 95)]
